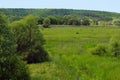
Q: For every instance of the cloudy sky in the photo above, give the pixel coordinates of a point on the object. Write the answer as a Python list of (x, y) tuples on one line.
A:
[(103, 5)]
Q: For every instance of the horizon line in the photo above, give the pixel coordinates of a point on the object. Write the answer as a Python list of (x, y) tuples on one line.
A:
[(59, 8)]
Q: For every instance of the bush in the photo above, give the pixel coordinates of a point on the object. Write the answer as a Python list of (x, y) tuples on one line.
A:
[(100, 49), (36, 55), (115, 48)]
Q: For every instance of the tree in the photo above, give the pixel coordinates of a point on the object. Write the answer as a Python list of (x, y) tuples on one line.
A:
[(116, 22), (29, 40), (85, 21), (74, 21), (66, 19), (40, 20), (71, 20), (46, 23), (53, 20), (11, 66)]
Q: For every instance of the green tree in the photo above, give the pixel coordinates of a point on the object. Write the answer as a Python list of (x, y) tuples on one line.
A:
[(11, 67), (71, 20), (66, 19), (53, 20), (116, 22), (40, 20), (29, 40), (86, 21), (46, 23), (74, 21)]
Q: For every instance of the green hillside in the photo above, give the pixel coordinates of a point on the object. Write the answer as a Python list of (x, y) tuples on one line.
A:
[(102, 15)]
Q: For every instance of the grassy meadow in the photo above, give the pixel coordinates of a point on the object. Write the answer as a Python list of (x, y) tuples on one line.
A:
[(69, 49)]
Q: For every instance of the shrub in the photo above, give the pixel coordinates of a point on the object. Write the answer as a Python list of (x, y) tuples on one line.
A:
[(100, 49), (115, 48), (36, 55)]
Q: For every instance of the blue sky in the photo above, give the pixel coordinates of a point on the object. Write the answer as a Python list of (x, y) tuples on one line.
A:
[(103, 5)]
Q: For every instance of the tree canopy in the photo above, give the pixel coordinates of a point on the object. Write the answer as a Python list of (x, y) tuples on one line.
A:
[(11, 67), (29, 40)]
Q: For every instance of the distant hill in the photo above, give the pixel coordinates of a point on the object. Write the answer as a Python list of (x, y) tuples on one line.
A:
[(20, 12)]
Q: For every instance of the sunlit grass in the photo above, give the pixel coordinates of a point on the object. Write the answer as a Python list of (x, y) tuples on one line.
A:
[(69, 48)]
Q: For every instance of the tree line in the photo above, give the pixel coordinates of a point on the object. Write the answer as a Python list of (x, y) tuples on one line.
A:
[(74, 20), (65, 16)]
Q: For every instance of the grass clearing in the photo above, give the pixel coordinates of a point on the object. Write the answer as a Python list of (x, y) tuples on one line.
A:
[(69, 49)]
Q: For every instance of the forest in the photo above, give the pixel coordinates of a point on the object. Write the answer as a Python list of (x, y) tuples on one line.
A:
[(65, 16)]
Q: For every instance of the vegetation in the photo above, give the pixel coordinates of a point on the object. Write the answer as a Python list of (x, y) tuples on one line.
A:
[(65, 16), (46, 23), (11, 67), (71, 57), (29, 40), (69, 41), (116, 22), (100, 50), (115, 47)]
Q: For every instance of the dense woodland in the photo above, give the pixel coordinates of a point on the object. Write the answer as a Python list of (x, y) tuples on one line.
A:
[(65, 16)]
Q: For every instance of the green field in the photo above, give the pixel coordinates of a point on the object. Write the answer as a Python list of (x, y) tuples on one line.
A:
[(69, 50)]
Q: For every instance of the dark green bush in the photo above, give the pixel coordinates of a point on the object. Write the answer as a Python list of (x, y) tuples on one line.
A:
[(37, 54)]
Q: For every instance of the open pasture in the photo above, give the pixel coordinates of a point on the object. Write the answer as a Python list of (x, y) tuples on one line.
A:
[(69, 49)]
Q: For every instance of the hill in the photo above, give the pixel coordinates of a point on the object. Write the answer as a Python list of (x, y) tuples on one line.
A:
[(20, 12)]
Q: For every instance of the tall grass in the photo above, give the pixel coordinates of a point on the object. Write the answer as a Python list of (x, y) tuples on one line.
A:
[(69, 48)]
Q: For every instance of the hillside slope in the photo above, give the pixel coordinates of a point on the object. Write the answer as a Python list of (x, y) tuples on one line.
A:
[(102, 15)]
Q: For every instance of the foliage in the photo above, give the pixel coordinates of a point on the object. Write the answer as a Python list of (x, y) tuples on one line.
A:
[(116, 22), (100, 50), (37, 54), (115, 47), (100, 15), (29, 40), (40, 20), (71, 20), (57, 16), (11, 67), (46, 23), (86, 21), (53, 20)]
